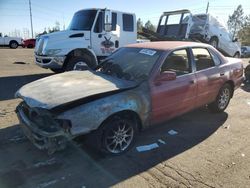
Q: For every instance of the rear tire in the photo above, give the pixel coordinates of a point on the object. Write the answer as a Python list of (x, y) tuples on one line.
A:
[(13, 44), (237, 55), (222, 99), (214, 42), (57, 70)]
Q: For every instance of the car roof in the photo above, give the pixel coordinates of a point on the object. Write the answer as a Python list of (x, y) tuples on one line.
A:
[(167, 45)]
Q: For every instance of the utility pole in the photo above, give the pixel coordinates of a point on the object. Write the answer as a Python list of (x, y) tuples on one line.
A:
[(31, 24), (207, 7)]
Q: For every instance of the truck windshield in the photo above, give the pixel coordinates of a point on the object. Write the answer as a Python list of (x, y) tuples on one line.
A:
[(199, 19), (82, 20), (130, 63)]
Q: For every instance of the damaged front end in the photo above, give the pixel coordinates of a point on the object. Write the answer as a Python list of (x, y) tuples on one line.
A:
[(43, 129)]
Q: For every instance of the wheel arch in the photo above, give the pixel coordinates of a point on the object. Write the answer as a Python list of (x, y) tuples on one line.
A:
[(13, 41), (130, 114), (78, 52), (232, 85)]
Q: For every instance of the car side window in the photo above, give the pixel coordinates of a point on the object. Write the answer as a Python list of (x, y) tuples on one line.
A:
[(114, 21), (215, 57), (202, 58), (178, 62)]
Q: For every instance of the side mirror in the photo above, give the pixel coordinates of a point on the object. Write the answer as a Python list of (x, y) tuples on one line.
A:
[(107, 21), (166, 76), (235, 40)]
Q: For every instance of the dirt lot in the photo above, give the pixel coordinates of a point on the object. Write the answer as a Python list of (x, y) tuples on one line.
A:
[(210, 150)]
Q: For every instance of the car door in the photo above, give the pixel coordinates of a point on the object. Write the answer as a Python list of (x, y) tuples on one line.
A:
[(104, 43), (1, 40), (173, 97), (208, 75)]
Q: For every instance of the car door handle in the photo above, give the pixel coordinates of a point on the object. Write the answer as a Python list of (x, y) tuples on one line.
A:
[(222, 74), (192, 81)]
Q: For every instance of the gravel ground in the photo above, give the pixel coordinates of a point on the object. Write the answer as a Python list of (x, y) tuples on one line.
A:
[(210, 150)]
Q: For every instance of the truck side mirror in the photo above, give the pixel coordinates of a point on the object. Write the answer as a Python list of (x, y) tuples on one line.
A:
[(107, 21), (235, 40)]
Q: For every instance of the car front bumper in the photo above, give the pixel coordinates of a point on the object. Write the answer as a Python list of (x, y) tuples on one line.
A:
[(44, 140), (50, 62)]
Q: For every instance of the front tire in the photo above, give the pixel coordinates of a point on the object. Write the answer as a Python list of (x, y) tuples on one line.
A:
[(222, 99), (115, 136), (78, 63), (118, 135)]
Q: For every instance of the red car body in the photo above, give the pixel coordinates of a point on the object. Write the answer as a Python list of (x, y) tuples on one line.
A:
[(29, 43), (190, 91), (137, 86)]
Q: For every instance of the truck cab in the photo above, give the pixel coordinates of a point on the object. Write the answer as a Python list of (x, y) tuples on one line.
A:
[(92, 35)]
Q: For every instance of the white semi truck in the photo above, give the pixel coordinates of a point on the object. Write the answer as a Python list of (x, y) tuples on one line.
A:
[(93, 34)]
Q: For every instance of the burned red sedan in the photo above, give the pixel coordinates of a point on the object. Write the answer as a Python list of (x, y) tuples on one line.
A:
[(137, 86)]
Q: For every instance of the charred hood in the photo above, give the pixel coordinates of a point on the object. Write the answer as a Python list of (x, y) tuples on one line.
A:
[(70, 88)]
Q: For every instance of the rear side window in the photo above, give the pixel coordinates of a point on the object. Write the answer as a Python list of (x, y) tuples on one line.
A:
[(128, 22), (178, 62), (203, 59), (114, 21), (215, 57)]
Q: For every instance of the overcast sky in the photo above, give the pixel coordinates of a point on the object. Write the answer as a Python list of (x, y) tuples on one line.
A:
[(14, 14)]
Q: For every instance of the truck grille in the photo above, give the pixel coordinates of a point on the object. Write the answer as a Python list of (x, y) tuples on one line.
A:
[(40, 46)]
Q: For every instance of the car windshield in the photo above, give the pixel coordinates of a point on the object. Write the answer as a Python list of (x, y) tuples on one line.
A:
[(130, 63), (82, 20), (199, 19)]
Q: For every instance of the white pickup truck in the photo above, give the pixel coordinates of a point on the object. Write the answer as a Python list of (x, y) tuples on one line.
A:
[(93, 34), (182, 25), (12, 42)]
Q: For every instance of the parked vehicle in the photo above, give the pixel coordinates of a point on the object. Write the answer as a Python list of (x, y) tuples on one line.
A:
[(29, 43), (137, 86), (205, 28), (12, 42), (88, 39), (245, 51)]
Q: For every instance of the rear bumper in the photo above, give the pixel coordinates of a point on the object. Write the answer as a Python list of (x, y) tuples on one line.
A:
[(50, 62), (43, 140)]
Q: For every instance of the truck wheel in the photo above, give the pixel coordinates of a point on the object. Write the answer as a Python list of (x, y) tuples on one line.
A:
[(57, 70), (30, 46), (214, 42), (78, 63), (237, 55), (222, 99), (13, 44)]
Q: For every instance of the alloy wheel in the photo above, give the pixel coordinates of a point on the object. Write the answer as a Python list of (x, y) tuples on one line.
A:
[(120, 137)]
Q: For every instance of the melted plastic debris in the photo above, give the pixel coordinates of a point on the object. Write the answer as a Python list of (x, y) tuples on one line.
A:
[(147, 147), (161, 141), (172, 132)]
